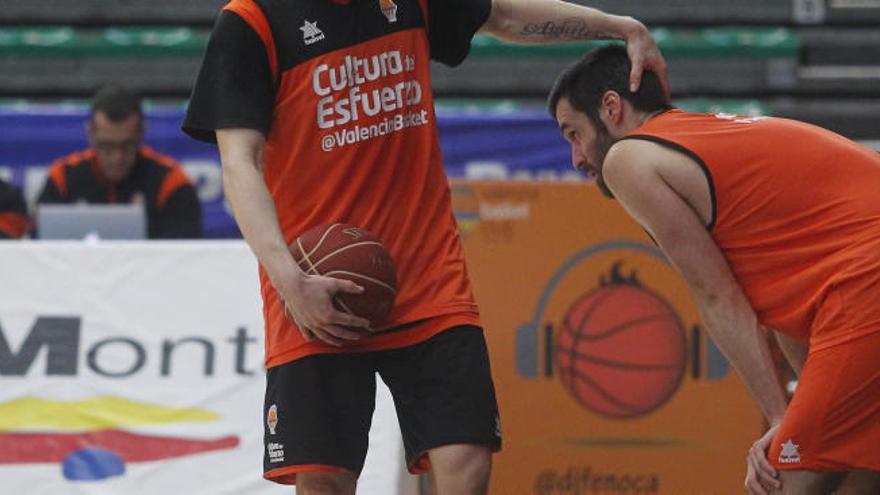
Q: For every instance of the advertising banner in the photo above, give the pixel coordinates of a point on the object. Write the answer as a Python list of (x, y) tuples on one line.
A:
[(137, 368), (606, 380)]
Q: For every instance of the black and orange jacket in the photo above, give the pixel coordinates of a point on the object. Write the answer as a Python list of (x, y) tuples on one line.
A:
[(342, 91), (173, 209), (13, 213)]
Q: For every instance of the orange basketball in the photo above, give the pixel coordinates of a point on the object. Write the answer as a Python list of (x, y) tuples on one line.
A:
[(621, 351), (350, 253)]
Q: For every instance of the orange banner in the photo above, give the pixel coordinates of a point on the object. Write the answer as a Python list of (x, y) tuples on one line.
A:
[(607, 383)]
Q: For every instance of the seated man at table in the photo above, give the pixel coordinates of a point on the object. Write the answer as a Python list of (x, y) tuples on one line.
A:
[(118, 169)]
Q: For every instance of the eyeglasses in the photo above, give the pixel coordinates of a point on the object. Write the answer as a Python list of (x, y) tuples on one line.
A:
[(111, 146)]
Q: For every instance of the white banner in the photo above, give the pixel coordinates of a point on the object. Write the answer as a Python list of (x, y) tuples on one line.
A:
[(137, 368)]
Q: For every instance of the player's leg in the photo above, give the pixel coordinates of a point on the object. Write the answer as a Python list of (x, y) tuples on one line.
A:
[(830, 426), (326, 483), (446, 406), (861, 482), (461, 468), (318, 411), (800, 482)]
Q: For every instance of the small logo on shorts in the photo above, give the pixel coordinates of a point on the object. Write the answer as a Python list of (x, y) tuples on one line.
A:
[(276, 452), (789, 454), (497, 426), (272, 418)]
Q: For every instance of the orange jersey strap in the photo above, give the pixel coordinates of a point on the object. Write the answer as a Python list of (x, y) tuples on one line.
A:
[(175, 178), (57, 171)]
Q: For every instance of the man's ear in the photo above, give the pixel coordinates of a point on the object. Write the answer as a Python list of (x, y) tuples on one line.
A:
[(612, 108)]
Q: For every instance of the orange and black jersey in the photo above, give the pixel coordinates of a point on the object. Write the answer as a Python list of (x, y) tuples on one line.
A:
[(796, 214), (13, 213), (256, 42), (342, 92), (173, 208)]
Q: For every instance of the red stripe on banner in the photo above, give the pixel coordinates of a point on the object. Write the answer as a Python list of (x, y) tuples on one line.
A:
[(131, 447)]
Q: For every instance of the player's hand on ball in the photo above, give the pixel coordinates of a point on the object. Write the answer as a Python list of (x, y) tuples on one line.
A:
[(761, 477), (354, 255), (309, 303)]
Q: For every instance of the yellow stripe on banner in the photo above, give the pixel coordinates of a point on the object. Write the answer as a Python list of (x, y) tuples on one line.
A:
[(95, 413)]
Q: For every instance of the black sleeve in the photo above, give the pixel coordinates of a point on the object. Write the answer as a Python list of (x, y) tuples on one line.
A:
[(50, 193), (235, 86), (451, 26), (180, 217), (11, 200)]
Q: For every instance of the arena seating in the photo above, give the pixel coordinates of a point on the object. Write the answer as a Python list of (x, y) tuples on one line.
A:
[(110, 12), (816, 60), (163, 60), (670, 12), (53, 60), (720, 61), (749, 12)]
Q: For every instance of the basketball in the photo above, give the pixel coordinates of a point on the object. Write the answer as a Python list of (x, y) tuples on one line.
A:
[(620, 351), (350, 253)]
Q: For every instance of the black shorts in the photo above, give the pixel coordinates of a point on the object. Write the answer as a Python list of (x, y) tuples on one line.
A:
[(318, 409)]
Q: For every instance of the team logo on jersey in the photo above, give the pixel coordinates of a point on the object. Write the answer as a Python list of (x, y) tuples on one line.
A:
[(789, 454), (311, 32), (389, 9), (272, 419)]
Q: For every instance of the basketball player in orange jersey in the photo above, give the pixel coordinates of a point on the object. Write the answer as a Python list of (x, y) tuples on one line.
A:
[(323, 113), (769, 222)]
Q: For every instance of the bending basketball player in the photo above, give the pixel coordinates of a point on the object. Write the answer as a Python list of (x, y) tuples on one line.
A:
[(769, 222), (323, 113)]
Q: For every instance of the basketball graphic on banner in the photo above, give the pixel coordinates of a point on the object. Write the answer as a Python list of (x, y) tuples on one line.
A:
[(620, 351)]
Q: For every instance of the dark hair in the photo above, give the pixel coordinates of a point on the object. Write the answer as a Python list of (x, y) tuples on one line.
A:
[(117, 102), (607, 68)]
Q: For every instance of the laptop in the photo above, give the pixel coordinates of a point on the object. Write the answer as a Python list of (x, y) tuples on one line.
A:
[(81, 221)]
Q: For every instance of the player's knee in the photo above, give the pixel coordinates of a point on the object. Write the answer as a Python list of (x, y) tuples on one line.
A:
[(462, 468), (477, 468), (325, 484)]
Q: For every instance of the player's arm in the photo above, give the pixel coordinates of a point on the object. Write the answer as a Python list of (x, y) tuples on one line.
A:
[(308, 298), (554, 21), (233, 102), (241, 154), (794, 350), (632, 172)]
